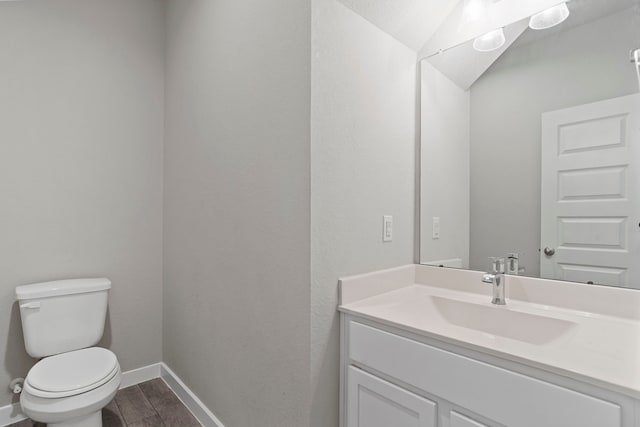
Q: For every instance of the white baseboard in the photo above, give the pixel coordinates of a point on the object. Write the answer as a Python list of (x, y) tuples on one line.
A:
[(190, 400), (140, 375), (10, 414)]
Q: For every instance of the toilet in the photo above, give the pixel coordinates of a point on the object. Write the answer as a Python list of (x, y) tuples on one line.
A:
[(62, 321)]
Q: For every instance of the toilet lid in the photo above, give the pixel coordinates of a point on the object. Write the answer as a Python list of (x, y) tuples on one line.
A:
[(73, 371)]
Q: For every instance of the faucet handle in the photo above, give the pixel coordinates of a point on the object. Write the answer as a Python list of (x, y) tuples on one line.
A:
[(488, 278), (512, 263), (497, 265)]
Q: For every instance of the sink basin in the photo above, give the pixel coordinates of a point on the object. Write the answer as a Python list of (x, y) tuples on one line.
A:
[(501, 321)]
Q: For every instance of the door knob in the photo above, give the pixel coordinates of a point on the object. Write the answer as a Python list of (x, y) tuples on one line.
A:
[(549, 251)]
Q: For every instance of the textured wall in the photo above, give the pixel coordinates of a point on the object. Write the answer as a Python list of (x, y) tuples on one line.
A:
[(585, 64), (236, 294), (363, 154), (81, 89)]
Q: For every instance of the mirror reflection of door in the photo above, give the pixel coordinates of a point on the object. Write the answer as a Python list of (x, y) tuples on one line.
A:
[(589, 222)]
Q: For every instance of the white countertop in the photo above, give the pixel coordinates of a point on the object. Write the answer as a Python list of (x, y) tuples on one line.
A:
[(602, 346)]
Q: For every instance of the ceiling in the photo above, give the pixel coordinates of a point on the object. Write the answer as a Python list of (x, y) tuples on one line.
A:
[(582, 12), (412, 22)]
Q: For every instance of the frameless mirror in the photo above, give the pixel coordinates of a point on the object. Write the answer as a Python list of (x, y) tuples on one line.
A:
[(531, 151)]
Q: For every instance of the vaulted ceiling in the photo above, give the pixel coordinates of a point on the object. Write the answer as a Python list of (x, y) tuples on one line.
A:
[(431, 26), (412, 22)]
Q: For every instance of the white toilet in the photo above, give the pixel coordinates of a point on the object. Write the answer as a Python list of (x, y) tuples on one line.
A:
[(61, 321)]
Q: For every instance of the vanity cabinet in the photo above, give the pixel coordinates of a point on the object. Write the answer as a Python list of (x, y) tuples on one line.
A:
[(392, 378), (382, 404), (459, 420)]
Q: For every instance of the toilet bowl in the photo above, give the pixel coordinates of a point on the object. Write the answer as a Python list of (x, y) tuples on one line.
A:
[(62, 321), (71, 389)]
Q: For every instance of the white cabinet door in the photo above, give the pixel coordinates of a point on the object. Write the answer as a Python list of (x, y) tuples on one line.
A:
[(459, 420), (373, 402)]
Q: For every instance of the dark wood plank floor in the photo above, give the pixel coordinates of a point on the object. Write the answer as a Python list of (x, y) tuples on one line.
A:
[(150, 404)]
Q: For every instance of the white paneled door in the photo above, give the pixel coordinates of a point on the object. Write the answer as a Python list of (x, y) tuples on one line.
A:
[(590, 224)]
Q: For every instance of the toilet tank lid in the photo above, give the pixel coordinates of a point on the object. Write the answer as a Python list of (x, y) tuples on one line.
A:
[(62, 287)]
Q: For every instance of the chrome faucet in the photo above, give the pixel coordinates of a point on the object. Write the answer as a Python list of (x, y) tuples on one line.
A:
[(497, 279)]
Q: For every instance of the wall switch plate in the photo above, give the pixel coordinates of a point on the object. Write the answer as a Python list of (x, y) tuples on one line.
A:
[(435, 229), (387, 228)]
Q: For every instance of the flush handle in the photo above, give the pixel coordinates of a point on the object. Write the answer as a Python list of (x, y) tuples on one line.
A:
[(549, 251), (30, 305)]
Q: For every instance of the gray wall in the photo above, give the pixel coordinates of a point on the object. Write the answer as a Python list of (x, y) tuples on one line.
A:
[(81, 168), (81, 84), (237, 261), (585, 64), (363, 154)]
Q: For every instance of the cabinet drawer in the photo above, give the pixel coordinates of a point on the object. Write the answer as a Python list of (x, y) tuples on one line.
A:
[(507, 397), (376, 403), (458, 420)]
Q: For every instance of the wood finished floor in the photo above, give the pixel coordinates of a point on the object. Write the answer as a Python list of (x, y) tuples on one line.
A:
[(149, 404)]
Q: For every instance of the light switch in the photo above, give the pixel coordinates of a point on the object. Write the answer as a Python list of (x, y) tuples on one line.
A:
[(387, 228), (435, 228)]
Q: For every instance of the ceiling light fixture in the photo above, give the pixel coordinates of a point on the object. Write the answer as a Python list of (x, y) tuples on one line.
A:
[(490, 41), (474, 11), (550, 17)]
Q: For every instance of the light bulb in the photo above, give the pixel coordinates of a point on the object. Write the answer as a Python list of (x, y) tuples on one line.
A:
[(550, 17), (474, 11), (491, 41)]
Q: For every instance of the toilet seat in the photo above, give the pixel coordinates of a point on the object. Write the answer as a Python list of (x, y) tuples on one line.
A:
[(71, 373), (66, 409)]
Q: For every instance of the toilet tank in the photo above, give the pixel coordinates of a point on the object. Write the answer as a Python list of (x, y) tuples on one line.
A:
[(62, 316)]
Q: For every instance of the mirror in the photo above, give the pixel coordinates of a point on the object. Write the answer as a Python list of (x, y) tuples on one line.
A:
[(531, 152)]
